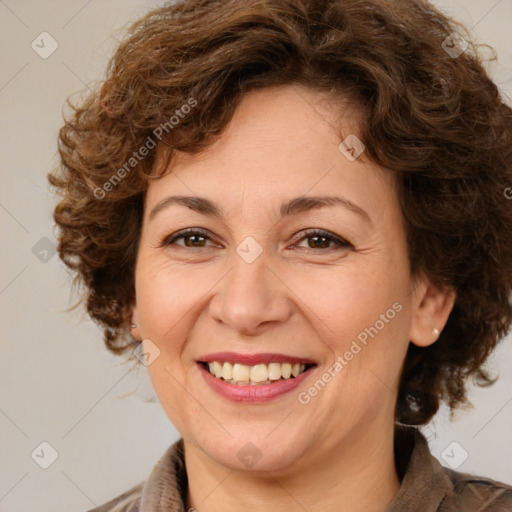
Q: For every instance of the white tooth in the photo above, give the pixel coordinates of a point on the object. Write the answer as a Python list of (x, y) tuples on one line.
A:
[(259, 373), (217, 368), (241, 372), (227, 371), (274, 371), (286, 370), (242, 375)]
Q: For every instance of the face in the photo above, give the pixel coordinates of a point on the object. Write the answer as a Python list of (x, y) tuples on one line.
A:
[(324, 281)]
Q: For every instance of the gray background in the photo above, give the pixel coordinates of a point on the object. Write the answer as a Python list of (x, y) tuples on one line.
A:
[(58, 382)]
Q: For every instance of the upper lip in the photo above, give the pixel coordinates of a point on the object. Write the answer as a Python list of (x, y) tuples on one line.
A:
[(253, 359)]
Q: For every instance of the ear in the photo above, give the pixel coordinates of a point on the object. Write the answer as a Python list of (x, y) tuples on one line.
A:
[(134, 323), (431, 308)]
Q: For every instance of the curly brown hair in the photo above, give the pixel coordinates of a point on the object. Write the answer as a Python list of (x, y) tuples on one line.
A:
[(432, 117)]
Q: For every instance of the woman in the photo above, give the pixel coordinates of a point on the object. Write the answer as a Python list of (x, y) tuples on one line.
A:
[(293, 213)]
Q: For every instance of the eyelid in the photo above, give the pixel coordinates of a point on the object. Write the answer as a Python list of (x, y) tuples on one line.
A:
[(339, 242), (310, 232), (170, 239)]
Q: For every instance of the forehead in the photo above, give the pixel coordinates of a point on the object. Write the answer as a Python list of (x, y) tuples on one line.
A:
[(280, 142)]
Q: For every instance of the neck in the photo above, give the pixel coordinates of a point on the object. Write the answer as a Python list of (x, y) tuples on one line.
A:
[(357, 475)]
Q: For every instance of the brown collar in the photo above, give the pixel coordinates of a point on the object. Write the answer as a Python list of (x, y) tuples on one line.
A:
[(424, 483)]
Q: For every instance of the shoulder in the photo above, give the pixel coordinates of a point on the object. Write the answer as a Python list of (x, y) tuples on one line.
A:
[(128, 501), (479, 494), (428, 485)]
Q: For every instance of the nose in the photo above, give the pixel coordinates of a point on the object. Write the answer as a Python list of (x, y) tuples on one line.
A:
[(250, 298)]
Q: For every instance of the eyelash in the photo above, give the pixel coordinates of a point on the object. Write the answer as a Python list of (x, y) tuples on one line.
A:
[(340, 242)]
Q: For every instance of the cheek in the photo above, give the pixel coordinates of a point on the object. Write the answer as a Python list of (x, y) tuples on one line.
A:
[(165, 297), (344, 301), (360, 314), (165, 381)]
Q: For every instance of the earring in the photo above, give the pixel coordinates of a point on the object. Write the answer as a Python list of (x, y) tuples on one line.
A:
[(435, 332), (133, 325)]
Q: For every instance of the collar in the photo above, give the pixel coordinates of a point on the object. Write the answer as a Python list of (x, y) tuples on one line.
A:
[(425, 485)]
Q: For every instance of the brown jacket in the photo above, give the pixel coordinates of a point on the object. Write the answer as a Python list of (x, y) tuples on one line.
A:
[(426, 485)]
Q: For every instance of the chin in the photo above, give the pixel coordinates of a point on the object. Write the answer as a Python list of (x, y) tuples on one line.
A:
[(253, 452)]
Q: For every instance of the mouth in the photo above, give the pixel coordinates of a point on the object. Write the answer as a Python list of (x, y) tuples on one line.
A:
[(254, 378), (261, 374)]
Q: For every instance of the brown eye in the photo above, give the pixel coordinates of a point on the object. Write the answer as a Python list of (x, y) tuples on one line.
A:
[(192, 238), (319, 239)]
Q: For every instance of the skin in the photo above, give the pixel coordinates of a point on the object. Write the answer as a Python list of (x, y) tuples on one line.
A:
[(296, 298)]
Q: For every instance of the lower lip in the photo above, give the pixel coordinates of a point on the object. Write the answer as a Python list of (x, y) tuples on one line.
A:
[(256, 393)]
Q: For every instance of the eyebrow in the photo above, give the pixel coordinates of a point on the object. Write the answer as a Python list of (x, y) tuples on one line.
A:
[(295, 206)]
